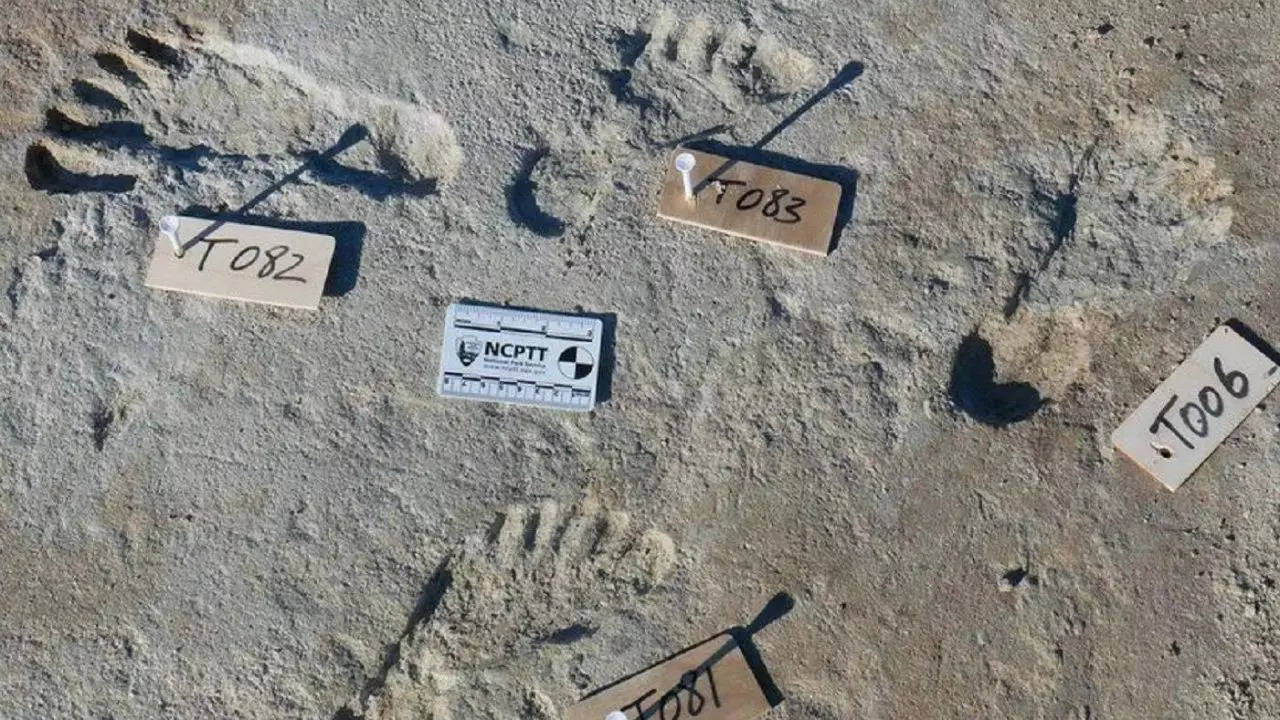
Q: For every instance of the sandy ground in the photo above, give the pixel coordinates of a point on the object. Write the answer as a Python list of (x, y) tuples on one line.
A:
[(210, 509)]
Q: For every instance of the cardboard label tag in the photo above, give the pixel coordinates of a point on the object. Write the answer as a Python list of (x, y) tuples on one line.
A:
[(753, 201), (1179, 426), (711, 681), (243, 262)]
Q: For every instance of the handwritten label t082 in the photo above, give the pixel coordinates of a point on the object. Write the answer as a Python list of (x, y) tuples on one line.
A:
[(1179, 426), (243, 262)]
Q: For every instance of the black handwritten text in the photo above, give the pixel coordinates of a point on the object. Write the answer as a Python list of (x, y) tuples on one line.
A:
[(1197, 414), (780, 205), (271, 266), (684, 699)]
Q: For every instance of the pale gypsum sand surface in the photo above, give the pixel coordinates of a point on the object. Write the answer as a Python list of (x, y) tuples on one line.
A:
[(211, 509)]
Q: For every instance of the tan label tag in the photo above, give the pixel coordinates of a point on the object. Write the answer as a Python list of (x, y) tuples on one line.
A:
[(243, 262), (711, 681), (753, 201), (1178, 426)]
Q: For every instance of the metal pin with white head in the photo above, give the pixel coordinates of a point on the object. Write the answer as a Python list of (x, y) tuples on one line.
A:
[(169, 225), (684, 163), (616, 715)]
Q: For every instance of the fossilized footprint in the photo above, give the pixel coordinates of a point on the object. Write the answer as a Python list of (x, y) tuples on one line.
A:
[(169, 103), (694, 74), (536, 578)]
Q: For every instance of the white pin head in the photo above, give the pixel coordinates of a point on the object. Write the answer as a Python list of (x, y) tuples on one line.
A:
[(684, 164), (616, 715), (169, 225)]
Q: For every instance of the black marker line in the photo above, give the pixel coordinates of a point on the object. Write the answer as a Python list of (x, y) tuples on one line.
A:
[(211, 242), (1161, 419), (715, 694)]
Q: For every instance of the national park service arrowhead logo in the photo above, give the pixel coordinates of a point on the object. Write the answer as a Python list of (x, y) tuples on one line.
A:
[(468, 349)]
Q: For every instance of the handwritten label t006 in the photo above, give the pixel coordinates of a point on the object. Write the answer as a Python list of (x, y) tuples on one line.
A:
[(752, 201), (243, 262), (1179, 426), (710, 681)]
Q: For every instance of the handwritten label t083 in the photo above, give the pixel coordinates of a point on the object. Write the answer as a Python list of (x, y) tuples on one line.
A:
[(243, 262), (752, 201)]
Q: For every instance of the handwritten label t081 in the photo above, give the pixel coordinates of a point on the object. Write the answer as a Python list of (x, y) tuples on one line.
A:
[(711, 681), (1179, 426), (243, 262)]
